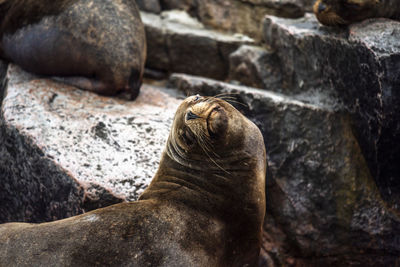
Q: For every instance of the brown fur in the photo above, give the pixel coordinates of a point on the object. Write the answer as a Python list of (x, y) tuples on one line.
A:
[(204, 207), (343, 12), (97, 45), (19, 13)]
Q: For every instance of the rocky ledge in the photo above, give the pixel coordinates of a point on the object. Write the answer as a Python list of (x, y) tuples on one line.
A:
[(65, 151), (242, 16), (177, 42)]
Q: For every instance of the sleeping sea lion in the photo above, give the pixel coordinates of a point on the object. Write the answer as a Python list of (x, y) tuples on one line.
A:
[(98, 46)]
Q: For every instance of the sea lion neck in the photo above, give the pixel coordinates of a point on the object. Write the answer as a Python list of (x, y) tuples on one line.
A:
[(224, 185)]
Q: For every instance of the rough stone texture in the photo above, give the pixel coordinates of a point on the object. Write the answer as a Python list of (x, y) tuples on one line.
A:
[(178, 43), (149, 5), (242, 16), (358, 66), (323, 206), (3, 81), (254, 66), (64, 150)]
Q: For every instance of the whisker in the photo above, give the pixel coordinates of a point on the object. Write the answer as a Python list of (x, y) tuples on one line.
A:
[(225, 94), (216, 164), (207, 144), (237, 102)]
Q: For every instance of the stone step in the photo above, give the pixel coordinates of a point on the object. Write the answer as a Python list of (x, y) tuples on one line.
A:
[(322, 202), (64, 151), (179, 43)]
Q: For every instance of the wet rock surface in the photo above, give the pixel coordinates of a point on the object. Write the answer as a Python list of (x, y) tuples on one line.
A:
[(75, 150)]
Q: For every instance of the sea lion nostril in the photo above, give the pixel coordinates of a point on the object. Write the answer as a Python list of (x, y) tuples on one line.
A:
[(321, 7), (191, 116)]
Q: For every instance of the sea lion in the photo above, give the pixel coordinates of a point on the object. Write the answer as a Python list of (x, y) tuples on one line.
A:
[(98, 46), (204, 207), (343, 12)]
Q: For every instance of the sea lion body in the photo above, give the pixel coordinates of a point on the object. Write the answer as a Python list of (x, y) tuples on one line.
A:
[(95, 45), (204, 207), (343, 12)]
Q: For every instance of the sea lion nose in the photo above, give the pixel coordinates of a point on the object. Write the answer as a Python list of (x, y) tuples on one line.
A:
[(321, 7), (191, 116)]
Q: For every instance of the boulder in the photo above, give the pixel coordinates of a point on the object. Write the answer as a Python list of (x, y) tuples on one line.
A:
[(323, 206), (65, 151), (178, 43), (358, 66)]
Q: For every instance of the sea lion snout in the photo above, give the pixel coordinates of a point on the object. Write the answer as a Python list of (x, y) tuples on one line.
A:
[(191, 116)]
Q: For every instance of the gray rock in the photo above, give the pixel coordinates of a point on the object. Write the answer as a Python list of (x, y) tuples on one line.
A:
[(149, 5), (323, 206), (178, 43), (242, 16), (255, 67), (3, 81), (64, 151), (359, 67)]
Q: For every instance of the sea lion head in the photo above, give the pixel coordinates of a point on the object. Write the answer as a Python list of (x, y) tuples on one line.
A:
[(343, 12), (211, 127)]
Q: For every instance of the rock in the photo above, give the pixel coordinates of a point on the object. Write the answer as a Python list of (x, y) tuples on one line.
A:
[(149, 5), (359, 67), (3, 81), (323, 206), (181, 17), (65, 151), (255, 67), (178, 43), (241, 16), (297, 42)]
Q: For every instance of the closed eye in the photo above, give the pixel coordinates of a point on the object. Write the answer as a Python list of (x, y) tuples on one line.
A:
[(196, 98)]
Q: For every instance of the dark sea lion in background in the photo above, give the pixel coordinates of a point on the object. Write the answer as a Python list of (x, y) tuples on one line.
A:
[(204, 207), (343, 12), (96, 45)]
